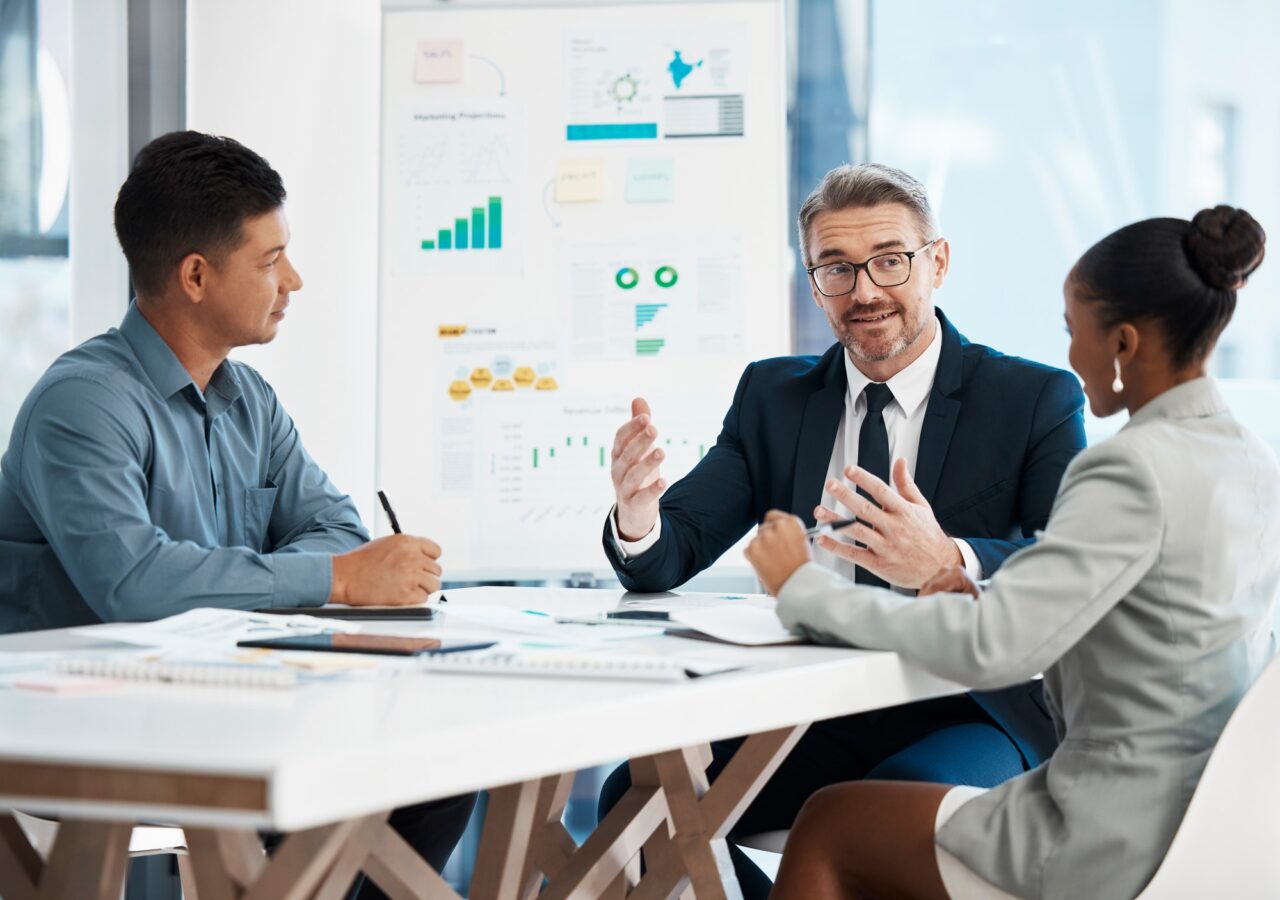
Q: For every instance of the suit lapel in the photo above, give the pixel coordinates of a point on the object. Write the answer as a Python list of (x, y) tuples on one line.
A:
[(819, 423), (940, 417)]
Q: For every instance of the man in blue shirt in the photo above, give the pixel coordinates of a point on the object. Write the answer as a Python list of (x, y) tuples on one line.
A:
[(148, 474)]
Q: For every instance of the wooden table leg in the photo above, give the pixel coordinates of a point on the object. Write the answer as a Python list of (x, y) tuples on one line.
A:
[(696, 824), (223, 863), (504, 843), (616, 840), (401, 873), (551, 846), (20, 864), (745, 776), (315, 864), (88, 862), (671, 811), (683, 779)]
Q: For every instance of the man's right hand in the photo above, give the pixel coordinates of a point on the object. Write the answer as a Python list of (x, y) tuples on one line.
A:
[(397, 570), (637, 483)]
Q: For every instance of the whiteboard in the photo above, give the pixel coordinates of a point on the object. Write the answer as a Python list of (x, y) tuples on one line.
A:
[(580, 204)]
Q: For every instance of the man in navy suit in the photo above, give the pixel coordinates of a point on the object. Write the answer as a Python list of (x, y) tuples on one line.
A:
[(972, 442)]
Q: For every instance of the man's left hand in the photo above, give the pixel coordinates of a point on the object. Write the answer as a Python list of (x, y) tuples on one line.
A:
[(905, 545), (778, 549)]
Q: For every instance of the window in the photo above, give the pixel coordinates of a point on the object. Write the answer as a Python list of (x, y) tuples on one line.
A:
[(35, 276), (1040, 128)]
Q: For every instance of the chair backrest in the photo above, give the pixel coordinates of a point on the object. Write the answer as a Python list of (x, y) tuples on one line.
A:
[(1229, 842)]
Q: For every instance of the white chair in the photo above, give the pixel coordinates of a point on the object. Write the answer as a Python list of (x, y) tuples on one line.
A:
[(146, 840), (1229, 842)]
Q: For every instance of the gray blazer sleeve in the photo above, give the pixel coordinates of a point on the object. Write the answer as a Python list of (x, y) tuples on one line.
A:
[(1102, 537)]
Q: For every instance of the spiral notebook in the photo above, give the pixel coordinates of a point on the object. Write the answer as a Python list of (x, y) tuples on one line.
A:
[(574, 665), (229, 674)]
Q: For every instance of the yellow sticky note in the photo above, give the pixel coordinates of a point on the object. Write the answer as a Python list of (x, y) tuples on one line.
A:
[(579, 180), (438, 62)]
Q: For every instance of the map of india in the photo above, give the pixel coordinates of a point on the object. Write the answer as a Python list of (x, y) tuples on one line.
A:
[(680, 69)]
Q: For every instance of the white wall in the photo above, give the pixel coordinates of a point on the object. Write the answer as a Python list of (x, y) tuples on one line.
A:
[(99, 164), (297, 81)]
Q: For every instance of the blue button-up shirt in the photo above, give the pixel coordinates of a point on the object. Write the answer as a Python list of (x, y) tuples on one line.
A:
[(126, 494)]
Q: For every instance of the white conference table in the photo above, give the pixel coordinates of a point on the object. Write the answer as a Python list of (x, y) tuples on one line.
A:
[(326, 763)]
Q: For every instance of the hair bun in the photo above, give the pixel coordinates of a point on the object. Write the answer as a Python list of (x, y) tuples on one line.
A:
[(1225, 245)]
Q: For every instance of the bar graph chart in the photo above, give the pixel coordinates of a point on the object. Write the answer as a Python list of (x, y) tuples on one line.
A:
[(649, 346), (647, 312), (481, 230)]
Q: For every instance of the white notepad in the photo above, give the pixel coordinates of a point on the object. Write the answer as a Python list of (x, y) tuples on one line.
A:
[(573, 665), (131, 668)]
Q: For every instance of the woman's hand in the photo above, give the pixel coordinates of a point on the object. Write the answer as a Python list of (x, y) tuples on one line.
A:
[(950, 580), (778, 549)]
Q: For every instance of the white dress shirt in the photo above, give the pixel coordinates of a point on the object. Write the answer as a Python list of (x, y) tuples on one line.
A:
[(903, 420)]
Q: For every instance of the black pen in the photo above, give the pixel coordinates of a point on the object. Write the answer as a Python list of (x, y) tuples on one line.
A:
[(817, 530), (386, 504), (395, 526), (460, 648), (642, 615)]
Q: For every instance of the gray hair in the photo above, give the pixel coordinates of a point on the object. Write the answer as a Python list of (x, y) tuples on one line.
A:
[(857, 187)]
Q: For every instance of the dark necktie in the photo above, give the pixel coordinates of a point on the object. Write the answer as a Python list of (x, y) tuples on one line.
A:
[(873, 452)]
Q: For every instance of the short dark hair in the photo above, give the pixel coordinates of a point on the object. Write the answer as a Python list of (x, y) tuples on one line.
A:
[(189, 193), (1182, 275), (862, 186)]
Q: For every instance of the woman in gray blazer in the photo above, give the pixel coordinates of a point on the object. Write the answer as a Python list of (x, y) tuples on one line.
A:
[(1147, 602)]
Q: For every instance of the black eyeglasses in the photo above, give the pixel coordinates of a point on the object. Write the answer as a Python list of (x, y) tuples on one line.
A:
[(885, 270)]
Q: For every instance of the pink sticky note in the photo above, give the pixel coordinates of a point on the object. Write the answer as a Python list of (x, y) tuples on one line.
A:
[(438, 62), (57, 683)]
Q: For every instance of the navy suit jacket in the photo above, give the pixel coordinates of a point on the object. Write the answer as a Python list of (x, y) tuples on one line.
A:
[(998, 434)]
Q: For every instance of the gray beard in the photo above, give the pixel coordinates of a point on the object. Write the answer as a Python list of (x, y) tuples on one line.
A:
[(897, 347)]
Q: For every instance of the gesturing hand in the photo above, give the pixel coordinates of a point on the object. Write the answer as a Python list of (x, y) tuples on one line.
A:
[(778, 549), (905, 545), (396, 570), (637, 483)]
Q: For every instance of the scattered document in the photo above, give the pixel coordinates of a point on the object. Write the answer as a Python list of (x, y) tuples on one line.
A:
[(213, 628), (538, 623), (677, 602), (744, 625)]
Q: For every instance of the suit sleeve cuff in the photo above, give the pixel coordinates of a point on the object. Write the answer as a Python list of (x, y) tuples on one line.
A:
[(301, 579), (803, 601), (972, 565), (632, 549)]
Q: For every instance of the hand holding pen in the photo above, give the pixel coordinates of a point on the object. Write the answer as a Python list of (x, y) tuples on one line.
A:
[(396, 570), (828, 528)]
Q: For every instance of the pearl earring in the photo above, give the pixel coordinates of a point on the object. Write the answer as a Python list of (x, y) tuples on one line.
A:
[(1118, 384)]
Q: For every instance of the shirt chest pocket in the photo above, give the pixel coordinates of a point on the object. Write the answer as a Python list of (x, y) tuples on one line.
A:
[(258, 504)]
